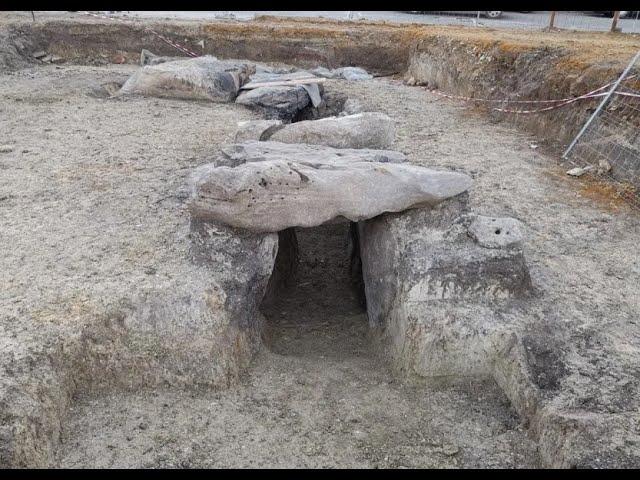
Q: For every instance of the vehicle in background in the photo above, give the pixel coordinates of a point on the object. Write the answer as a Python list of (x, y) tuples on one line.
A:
[(488, 14), (623, 13)]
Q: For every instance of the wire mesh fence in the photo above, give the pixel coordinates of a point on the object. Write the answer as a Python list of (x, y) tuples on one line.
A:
[(608, 145), (604, 21)]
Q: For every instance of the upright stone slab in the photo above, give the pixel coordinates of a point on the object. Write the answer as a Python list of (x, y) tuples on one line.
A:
[(433, 278), (206, 330), (276, 102)]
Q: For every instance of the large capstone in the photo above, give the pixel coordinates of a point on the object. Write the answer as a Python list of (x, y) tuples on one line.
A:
[(253, 151), (362, 130), (272, 195), (203, 78)]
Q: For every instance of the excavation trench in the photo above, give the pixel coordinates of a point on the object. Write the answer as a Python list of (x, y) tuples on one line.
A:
[(319, 395)]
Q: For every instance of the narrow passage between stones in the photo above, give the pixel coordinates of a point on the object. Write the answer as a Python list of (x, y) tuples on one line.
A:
[(317, 308)]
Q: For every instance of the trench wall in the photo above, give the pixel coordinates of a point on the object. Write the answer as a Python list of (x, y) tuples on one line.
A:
[(470, 62)]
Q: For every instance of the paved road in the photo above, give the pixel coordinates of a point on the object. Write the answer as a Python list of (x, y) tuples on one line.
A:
[(568, 20)]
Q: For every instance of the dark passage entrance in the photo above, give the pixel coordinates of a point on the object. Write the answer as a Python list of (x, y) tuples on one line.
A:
[(315, 301)]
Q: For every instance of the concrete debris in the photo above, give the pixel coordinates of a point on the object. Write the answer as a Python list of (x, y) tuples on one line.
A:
[(604, 167), (39, 54)]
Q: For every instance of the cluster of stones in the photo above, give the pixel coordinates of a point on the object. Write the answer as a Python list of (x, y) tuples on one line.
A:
[(425, 258), (434, 272), (280, 93)]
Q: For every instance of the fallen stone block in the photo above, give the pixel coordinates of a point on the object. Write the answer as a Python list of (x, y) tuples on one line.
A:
[(149, 58), (346, 73), (280, 102), (362, 130), (204, 78), (352, 73), (351, 107), (258, 130)]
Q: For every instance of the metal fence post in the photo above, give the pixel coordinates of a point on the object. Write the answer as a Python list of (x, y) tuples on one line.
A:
[(605, 100), (614, 23)]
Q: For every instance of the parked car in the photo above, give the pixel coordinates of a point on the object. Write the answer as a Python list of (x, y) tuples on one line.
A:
[(488, 14), (623, 13)]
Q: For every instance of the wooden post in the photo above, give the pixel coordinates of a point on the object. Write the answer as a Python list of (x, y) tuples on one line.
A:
[(552, 20), (614, 23), (33, 16)]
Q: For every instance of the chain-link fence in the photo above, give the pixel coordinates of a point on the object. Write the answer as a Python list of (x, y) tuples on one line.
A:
[(600, 21), (609, 143)]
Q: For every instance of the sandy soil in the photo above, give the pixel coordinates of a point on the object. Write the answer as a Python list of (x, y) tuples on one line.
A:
[(92, 207)]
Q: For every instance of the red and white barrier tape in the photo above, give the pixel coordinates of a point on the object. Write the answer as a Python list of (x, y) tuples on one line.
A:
[(556, 103), (161, 37)]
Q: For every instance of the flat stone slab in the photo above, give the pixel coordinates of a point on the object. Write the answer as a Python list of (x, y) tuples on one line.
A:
[(273, 195), (277, 102), (362, 130), (254, 151), (203, 78)]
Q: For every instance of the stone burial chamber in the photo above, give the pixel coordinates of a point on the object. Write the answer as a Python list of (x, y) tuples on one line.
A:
[(424, 257)]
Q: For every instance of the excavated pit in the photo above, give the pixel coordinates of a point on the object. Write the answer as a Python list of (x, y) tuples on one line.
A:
[(314, 303), (318, 395)]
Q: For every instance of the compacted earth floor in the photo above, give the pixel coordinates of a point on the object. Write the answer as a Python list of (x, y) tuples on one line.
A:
[(92, 195)]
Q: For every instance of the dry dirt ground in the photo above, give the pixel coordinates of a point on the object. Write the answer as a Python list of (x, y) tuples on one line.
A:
[(92, 208)]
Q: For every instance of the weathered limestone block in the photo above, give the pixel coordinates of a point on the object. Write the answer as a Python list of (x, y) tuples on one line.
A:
[(273, 195), (362, 130), (277, 102), (204, 78), (258, 130), (253, 151), (351, 107), (432, 278), (207, 329)]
